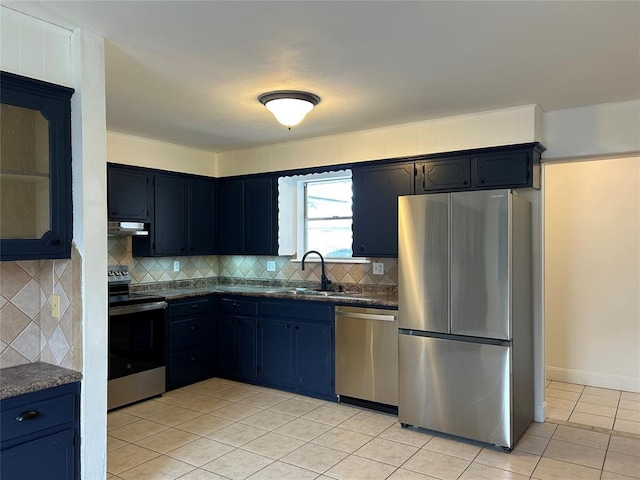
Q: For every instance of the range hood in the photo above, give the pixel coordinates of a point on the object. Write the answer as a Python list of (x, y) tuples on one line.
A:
[(126, 229)]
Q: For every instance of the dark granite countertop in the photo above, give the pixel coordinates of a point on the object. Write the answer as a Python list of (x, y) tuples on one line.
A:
[(381, 297), (33, 377)]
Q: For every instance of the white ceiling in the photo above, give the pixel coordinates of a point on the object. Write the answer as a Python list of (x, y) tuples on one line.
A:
[(190, 72)]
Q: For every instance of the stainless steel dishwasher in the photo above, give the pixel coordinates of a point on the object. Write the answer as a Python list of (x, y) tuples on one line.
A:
[(367, 354)]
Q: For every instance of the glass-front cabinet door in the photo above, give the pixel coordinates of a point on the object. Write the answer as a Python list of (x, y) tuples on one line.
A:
[(35, 169)]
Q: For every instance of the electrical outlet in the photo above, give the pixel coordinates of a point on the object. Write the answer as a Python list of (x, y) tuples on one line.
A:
[(271, 266), (55, 306), (176, 266), (378, 268)]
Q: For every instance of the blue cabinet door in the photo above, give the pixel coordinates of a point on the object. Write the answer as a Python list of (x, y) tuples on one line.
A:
[(170, 215), (260, 216), (313, 357), (375, 208), (512, 169), (274, 347), (231, 217), (48, 234), (202, 211), (226, 345), (129, 193), (246, 344), (51, 457), (448, 174), (248, 216), (237, 347)]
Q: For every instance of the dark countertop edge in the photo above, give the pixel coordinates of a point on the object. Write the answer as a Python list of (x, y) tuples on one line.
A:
[(33, 377), (374, 300)]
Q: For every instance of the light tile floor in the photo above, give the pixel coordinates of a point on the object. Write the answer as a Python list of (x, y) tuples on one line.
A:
[(223, 430), (597, 407)]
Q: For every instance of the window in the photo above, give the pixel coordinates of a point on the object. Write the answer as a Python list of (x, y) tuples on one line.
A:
[(315, 213), (328, 217)]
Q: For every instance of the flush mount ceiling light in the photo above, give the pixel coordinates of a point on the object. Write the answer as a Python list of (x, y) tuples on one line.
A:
[(289, 106)]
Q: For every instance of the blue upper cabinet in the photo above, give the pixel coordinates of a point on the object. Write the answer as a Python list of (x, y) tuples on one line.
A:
[(512, 166), (183, 221), (129, 193), (35, 169), (375, 207), (248, 216)]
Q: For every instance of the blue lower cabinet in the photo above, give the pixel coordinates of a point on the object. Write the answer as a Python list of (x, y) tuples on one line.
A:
[(246, 331), (237, 345), (191, 340), (51, 457), (296, 346), (285, 344), (275, 352), (39, 435), (313, 357)]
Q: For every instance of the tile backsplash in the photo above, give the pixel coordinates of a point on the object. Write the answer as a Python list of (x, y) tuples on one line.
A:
[(28, 331), (250, 267)]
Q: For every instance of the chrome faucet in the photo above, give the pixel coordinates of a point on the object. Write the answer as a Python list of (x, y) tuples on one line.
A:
[(324, 281)]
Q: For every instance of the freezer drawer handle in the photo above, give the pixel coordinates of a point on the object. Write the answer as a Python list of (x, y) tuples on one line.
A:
[(367, 316)]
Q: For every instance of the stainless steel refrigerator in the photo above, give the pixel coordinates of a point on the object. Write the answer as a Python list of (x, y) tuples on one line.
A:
[(465, 341)]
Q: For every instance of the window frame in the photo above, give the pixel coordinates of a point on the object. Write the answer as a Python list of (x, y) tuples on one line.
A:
[(302, 217), (291, 216)]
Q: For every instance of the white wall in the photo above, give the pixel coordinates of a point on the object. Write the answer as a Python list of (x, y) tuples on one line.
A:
[(142, 152), (33, 48), (90, 235), (610, 128), (592, 272), (486, 129)]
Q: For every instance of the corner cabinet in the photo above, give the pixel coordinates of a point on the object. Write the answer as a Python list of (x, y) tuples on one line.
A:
[(248, 216), (375, 207), (40, 434), (35, 169)]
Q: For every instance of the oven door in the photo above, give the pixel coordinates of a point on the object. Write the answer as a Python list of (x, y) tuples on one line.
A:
[(136, 352)]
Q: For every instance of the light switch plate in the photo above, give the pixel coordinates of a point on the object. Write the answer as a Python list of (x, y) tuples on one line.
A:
[(378, 268), (271, 266), (176, 265), (55, 306)]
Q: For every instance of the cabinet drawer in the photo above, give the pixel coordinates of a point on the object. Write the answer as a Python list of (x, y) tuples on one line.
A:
[(296, 311), (243, 307), (180, 308), (191, 331), (195, 363), (30, 417)]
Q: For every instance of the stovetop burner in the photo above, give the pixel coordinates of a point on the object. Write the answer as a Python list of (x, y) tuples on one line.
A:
[(119, 279)]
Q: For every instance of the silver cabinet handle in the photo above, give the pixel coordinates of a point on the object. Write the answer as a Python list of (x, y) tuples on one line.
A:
[(367, 316)]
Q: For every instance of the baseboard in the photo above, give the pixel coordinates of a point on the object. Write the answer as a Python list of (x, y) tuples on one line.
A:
[(614, 382)]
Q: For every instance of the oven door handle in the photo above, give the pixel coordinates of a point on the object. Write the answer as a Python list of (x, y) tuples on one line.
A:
[(140, 307)]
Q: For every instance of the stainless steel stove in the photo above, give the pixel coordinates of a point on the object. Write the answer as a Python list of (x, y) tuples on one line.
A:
[(136, 342)]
